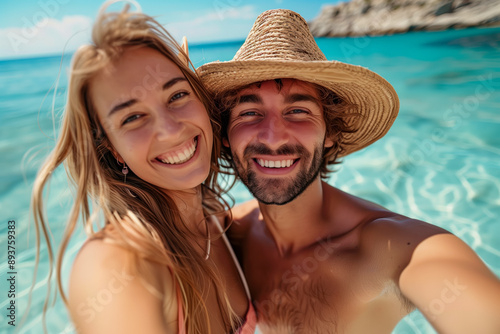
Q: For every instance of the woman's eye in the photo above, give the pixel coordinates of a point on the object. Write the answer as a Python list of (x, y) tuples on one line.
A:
[(130, 119), (178, 96)]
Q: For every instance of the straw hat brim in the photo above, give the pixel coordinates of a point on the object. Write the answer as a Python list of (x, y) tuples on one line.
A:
[(375, 99)]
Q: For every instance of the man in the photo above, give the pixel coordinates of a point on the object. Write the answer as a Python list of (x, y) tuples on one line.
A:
[(317, 259)]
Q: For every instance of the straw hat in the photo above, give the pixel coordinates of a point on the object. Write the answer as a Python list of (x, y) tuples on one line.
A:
[(280, 46)]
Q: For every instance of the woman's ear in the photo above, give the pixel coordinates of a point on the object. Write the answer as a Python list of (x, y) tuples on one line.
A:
[(117, 156), (225, 142)]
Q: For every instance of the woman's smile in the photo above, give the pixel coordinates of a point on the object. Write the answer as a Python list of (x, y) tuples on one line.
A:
[(181, 155)]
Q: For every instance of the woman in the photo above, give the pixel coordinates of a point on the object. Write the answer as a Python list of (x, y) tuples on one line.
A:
[(137, 141)]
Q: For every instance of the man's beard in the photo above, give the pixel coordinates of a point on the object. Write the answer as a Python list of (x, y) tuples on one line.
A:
[(279, 190)]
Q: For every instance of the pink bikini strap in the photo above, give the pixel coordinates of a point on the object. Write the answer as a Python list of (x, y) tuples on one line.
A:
[(180, 312)]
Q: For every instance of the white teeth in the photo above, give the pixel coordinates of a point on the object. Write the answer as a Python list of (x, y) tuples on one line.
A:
[(275, 164), (181, 157)]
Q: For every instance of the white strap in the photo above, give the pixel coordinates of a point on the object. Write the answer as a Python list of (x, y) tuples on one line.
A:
[(235, 259)]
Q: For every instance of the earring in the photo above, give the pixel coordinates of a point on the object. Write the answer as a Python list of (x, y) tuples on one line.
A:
[(125, 171)]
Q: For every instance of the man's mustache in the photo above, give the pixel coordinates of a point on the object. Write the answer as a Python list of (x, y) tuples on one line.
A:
[(282, 150)]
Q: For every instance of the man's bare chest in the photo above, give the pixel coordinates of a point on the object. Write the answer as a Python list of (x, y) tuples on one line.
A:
[(319, 291)]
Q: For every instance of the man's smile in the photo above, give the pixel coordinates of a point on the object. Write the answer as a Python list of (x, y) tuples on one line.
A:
[(275, 163)]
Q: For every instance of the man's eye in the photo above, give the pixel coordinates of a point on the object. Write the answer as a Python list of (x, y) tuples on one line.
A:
[(130, 119), (298, 111), (249, 113)]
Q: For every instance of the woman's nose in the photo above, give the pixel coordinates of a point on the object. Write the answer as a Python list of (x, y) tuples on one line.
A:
[(168, 125)]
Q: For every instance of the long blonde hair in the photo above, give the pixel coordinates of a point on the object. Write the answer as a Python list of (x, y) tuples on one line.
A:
[(159, 235)]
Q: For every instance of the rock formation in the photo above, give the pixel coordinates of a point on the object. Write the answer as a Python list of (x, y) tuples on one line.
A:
[(382, 17)]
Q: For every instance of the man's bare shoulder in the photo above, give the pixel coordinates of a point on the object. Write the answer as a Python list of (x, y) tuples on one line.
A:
[(377, 222), (392, 240), (399, 229), (246, 212), (350, 201), (244, 215)]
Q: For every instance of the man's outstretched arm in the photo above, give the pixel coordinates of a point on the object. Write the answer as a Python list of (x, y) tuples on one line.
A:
[(452, 287)]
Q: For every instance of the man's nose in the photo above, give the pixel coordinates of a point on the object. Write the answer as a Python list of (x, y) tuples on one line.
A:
[(273, 131)]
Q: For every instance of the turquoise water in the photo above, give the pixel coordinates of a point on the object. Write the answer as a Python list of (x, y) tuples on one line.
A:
[(438, 163)]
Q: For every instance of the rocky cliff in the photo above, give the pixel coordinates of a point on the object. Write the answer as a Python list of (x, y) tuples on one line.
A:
[(382, 17)]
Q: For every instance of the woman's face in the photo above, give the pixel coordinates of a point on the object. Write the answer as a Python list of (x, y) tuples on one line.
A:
[(153, 119)]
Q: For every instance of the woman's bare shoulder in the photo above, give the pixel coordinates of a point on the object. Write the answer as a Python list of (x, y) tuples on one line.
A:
[(106, 291), (101, 257)]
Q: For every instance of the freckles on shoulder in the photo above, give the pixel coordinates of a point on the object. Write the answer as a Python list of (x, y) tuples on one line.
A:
[(393, 239)]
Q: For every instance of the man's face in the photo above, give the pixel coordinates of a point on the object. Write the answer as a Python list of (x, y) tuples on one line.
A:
[(276, 137)]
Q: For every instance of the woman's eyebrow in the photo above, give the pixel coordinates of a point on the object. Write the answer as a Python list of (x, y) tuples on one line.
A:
[(172, 82), (131, 102), (121, 106)]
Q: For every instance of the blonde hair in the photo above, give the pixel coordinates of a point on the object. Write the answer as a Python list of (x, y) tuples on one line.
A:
[(158, 235)]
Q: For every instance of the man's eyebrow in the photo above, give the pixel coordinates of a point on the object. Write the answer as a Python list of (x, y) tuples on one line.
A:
[(130, 102), (292, 98), (250, 98)]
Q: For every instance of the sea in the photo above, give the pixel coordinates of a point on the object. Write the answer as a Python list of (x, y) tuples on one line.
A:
[(440, 161)]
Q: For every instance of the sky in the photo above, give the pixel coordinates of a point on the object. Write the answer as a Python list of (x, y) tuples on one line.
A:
[(30, 28)]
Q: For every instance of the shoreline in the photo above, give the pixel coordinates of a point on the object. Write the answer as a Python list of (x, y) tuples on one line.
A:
[(387, 17)]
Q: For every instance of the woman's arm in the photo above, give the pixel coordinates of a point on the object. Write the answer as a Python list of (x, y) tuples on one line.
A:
[(106, 296)]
